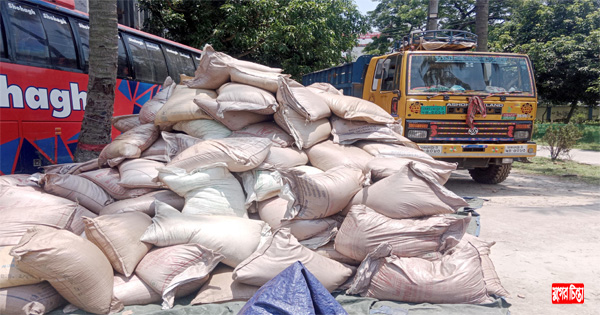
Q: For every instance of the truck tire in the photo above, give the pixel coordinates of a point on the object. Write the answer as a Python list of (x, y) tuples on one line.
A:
[(492, 174)]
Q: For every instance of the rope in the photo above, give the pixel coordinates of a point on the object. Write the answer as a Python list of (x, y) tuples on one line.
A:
[(476, 106)]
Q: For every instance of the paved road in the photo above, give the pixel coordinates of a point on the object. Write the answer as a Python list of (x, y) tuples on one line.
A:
[(581, 156)]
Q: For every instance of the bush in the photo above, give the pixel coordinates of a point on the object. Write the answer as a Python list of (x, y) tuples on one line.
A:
[(561, 139)]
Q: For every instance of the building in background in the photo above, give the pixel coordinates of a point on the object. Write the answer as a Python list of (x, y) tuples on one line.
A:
[(363, 40)]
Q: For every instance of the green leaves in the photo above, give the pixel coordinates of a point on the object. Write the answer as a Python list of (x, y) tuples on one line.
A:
[(299, 36)]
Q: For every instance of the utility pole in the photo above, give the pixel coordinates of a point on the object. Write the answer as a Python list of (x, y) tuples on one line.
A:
[(432, 17)]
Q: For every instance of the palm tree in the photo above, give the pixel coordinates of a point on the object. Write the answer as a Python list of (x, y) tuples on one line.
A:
[(96, 128)]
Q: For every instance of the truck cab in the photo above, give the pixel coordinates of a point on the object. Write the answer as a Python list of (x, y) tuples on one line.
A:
[(473, 108)]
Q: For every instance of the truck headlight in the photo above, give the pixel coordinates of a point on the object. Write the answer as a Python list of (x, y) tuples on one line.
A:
[(522, 134), (417, 134)]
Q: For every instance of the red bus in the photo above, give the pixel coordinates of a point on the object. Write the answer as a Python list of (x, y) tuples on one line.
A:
[(44, 52)]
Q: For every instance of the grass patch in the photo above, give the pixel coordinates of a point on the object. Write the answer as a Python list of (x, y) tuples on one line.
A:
[(568, 170), (589, 141)]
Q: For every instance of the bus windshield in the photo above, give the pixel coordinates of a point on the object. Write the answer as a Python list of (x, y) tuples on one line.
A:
[(465, 73)]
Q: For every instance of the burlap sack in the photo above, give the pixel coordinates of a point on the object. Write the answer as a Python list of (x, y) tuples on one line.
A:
[(118, 236), (108, 179), (364, 229), (321, 231), (203, 129), (268, 130), (328, 250), (302, 100), (235, 238), (492, 281), (242, 97), (348, 131), (382, 167), (416, 193), (264, 80), (31, 299), (49, 254), (322, 87), (71, 168), (214, 67), (168, 268), (234, 120), (305, 133), (240, 154), (417, 280), (128, 145), (181, 107), (157, 151), (139, 173), (26, 207), (327, 155), (10, 275), (282, 250), (354, 108), (151, 107), (407, 149), (133, 291), (210, 189), (145, 203), (281, 158), (220, 288), (125, 123), (177, 143), (78, 189), (321, 195)]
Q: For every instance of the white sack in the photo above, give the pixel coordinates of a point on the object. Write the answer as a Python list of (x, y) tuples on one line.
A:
[(145, 203), (209, 189), (268, 130), (151, 107), (31, 299), (124, 123), (235, 238), (382, 167), (302, 100), (128, 145), (242, 97), (279, 158), (139, 173), (234, 120), (181, 107), (279, 252), (108, 179), (240, 154), (203, 129), (348, 131), (354, 108), (220, 287), (321, 195), (260, 79), (327, 155), (364, 229), (78, 189), (411, 192), (305, 133)]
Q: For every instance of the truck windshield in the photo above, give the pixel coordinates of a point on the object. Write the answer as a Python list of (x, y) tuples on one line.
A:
[(458, 73)]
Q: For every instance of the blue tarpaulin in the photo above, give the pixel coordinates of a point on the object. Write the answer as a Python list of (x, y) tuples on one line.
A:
[(294, 291)]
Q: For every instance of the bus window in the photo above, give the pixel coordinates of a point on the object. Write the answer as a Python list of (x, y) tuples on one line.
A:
[(60, 40), (2, 37), (123, 66), (179, 63), (148, 61), (158, 62), (27, 33), (83, 29), (196, 60)]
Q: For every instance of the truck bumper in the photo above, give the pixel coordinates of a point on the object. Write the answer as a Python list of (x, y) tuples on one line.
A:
[(475, 151)]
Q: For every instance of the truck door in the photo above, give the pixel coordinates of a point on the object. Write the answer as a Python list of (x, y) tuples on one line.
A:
[(385, 88)]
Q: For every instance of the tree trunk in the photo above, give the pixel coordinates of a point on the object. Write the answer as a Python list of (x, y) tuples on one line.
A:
[(481, 23), (432, 16), (571, 111), (96, 127)]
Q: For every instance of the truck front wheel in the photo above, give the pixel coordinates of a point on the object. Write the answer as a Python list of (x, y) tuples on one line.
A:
[(492, 174)]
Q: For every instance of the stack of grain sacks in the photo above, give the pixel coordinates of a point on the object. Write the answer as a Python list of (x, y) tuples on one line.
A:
[(225, 180)]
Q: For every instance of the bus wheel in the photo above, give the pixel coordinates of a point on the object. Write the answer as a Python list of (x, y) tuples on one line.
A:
[(492, 174)]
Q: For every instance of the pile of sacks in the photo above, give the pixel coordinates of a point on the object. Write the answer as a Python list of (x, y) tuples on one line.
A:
[(222, 182)]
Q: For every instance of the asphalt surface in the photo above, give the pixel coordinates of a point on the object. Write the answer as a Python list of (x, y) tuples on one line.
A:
[(576, 155)]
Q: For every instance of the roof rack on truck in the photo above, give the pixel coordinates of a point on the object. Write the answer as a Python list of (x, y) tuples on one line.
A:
[(440, 40)]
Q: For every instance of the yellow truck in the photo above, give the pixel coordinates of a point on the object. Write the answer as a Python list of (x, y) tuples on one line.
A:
[(473, 108)]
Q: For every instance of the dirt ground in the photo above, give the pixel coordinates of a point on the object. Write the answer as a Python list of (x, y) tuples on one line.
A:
[(547, 230)]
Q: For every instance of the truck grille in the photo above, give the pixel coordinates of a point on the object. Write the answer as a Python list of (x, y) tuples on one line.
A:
[(493, 131)]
